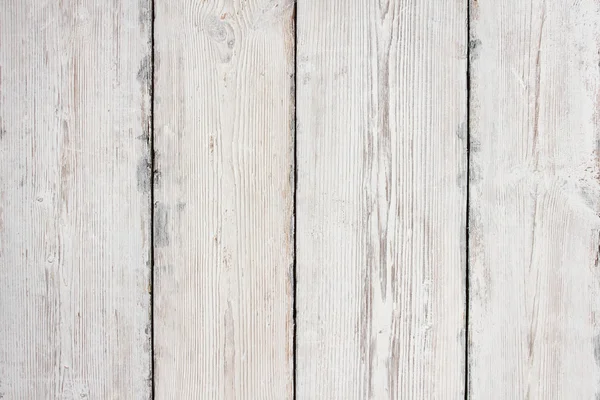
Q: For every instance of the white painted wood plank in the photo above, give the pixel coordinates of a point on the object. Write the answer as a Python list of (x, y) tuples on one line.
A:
[(224, 199), (381, 199), (535, 283), (74, 200)]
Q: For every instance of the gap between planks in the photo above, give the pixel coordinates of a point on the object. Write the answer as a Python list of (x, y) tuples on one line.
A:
[(467, 253), (152, 181), (294, 208)]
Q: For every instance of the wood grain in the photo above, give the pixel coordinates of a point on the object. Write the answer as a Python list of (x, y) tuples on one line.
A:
[(74, 200), (381, 201), (224, 199), (535, 283)]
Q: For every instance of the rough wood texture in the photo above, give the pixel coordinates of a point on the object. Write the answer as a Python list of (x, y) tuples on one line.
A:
[(74, 200), (381, 199), (535, 279), (224, 199)]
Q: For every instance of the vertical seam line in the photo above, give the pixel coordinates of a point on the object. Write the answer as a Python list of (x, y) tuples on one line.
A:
[(295, 215), (467, 235), (152, 181)]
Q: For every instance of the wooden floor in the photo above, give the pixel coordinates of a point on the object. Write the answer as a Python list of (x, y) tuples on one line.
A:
[(310, 199)]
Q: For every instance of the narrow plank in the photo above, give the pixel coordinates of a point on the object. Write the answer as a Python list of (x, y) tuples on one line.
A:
[(381, 200), (534, 316), (224, 199), (74, 200)]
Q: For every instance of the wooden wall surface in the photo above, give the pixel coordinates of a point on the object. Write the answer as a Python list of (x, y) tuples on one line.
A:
[(279, 199)]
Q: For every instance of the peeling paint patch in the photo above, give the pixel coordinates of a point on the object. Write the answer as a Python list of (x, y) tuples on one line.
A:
[(461, 130), (474, 46), (143, 75)]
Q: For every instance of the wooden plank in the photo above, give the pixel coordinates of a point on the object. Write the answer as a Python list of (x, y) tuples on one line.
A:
[(381, 201), (534, 274), (74, 200), (224, 199)]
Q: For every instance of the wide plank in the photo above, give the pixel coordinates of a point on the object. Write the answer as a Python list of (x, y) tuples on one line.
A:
[(74, 200), (381, 199), (223, 212), (534, 328)]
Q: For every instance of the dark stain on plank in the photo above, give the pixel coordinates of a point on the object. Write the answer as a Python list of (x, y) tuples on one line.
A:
[(143, 175), (461, 130), (474, 46), (145, 12), (143, 75), (597, 349), (161, 224)]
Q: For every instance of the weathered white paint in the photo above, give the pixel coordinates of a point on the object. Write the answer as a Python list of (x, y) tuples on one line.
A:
[(224, 199), (381, 198), (535, 279), (74, 200)]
